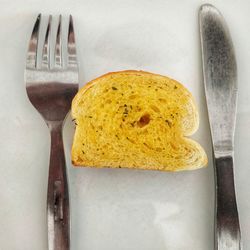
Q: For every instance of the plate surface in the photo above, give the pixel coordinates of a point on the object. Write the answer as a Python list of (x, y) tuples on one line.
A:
[(117, 209)]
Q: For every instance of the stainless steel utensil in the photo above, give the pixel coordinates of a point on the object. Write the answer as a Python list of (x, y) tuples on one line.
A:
[(50, 87), (220, 78)]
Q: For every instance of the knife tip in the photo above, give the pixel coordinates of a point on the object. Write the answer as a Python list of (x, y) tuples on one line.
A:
[(207, 7), (208, 11)]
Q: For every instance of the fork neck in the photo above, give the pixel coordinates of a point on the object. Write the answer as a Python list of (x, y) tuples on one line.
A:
[(55, 125)]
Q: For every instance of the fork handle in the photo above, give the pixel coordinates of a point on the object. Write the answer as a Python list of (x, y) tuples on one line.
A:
[(58, 195), (227, 221)]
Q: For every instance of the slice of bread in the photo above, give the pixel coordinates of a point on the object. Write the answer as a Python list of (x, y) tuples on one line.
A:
[(136, 119)]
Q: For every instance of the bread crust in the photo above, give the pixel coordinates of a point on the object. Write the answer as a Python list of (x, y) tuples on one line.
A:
[(95, 81)]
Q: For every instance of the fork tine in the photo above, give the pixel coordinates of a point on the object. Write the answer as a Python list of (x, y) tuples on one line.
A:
[(58, 48), (72, 59), (31, 61), (46, 47)]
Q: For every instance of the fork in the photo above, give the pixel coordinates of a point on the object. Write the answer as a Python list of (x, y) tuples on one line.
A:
[(51, 86)]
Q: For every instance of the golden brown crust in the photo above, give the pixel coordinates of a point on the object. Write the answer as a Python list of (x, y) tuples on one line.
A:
[(95, 81)]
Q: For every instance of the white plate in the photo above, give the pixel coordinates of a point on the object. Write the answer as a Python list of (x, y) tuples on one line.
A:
[(117, 209)]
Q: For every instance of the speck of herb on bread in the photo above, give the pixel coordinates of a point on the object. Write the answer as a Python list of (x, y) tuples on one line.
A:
[(74, 120), (169, 123)]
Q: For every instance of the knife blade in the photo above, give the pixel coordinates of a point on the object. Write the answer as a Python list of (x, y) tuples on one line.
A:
[(220, 80)]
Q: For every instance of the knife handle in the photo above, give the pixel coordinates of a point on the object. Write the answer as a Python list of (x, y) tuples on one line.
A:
[(227, 227)]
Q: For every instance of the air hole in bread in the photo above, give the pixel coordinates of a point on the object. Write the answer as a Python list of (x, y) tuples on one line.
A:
[(154, 108), (133, 96), (162, 100), (173, 145), (145, 144), (144, 120), (129, 139), (79, 158), (108, 101)]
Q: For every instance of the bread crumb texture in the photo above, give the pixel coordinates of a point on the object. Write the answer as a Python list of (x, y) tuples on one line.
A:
[(136, 119)]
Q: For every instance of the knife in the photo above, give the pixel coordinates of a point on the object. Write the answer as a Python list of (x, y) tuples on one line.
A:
[(220, 79)]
